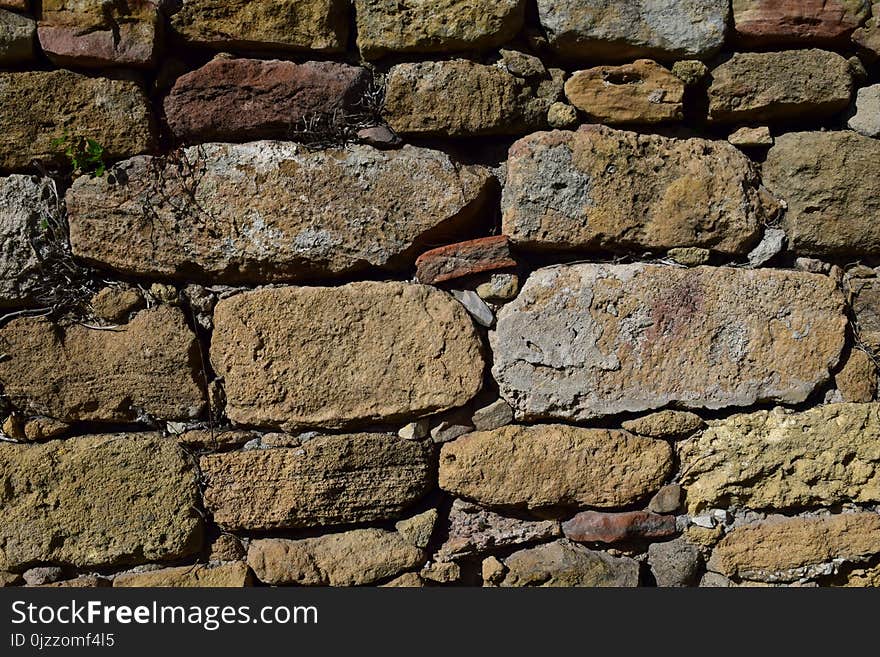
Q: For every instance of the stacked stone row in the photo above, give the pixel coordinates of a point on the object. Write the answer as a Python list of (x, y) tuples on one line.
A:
[(565, 293)]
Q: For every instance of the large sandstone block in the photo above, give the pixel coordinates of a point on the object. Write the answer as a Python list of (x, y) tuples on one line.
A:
[(605, 189), (584, 341), (17, 37), (831, 184), (112, 499), (316, 25), (780, 86), (428, 26), (98, 34), (547, 466), (346, 356), (145, 369), (617, 31), (459, 98), (331, 480), (777, 460), (234, 574), (353, 558), (246, 99), (115, 113), (24, 202), (771, 22), (785, 549), (565, 564), (270, 211)]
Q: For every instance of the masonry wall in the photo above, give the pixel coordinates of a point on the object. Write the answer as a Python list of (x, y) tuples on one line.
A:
[(450, 292)]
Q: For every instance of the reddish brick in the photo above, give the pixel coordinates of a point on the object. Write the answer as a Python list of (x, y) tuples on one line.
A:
[(594, 526), (464, 259), (773, 22)]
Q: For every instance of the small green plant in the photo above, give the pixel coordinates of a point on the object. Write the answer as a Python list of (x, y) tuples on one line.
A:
[(85, 154)]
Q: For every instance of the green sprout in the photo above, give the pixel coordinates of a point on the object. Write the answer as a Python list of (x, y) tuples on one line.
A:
[(85, 154)]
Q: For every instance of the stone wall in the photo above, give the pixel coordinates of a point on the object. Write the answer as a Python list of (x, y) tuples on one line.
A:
[(440, 292)]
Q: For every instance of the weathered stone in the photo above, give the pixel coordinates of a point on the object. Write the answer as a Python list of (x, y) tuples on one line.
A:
[(774, 22), (81, 582), (548, 466), (866, 307), (780, 86), (98, 34), (562, 116), (17, 38), (564, 564), (116, 303), (492, 571), (665, 424), (44, 428), (18, 5), (641, 92), (863, 578), (115, 113), (273, 211), (42, 575), (857, 380), (770, 246), (429, 26), (473, 530), (316, 25), (97, 500), (521, 64), (397, 351), (9, 579), (330, 480), (690, 256), (353, 558), (778, 460), (690, 71), (476, 307), (675, 563), (25, 202), (751, 137), (831, 183), (379, 136), (215, 440), (418, 529), (785, 549), (145, 369), (444, 572), (234, 574), (227, 547), (601, 30), (464, 259), (589, 340), (866, 120), (604, 189), (500, 288), (667, 499), (418, 430), (867, 38), (405, 581), (493, 416), (460, 98), (598, 527), (450, 426), (248, 99)]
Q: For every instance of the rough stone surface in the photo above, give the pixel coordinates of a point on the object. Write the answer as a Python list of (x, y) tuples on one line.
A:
[(795, 22), (97, 500), (867, 38), (500, 288), (866, 308), (419, 528), (780, 86), (25, 201), (99, 34), (429, 26), (44, 428), (145, 369), (247, 99), (605, 189), (317, 25), (863, 578), (866, 120), (598, 29), (779, 460), (690, 256), (353, 558), (562, 116), (781, 549), (857, 380), (397, 351), (17, 38), (751, 137), (566, 564), (831, 183), (493, 416), (464, 259), (599, 527), (548, 466), (665, 424), (641, 92), (690, 71), (116, 303), (584, 341), (330, 480), (273, 211), (667, 499), (473, 530), (675, 563), (227, 575), (115, 113), (459, 98)]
